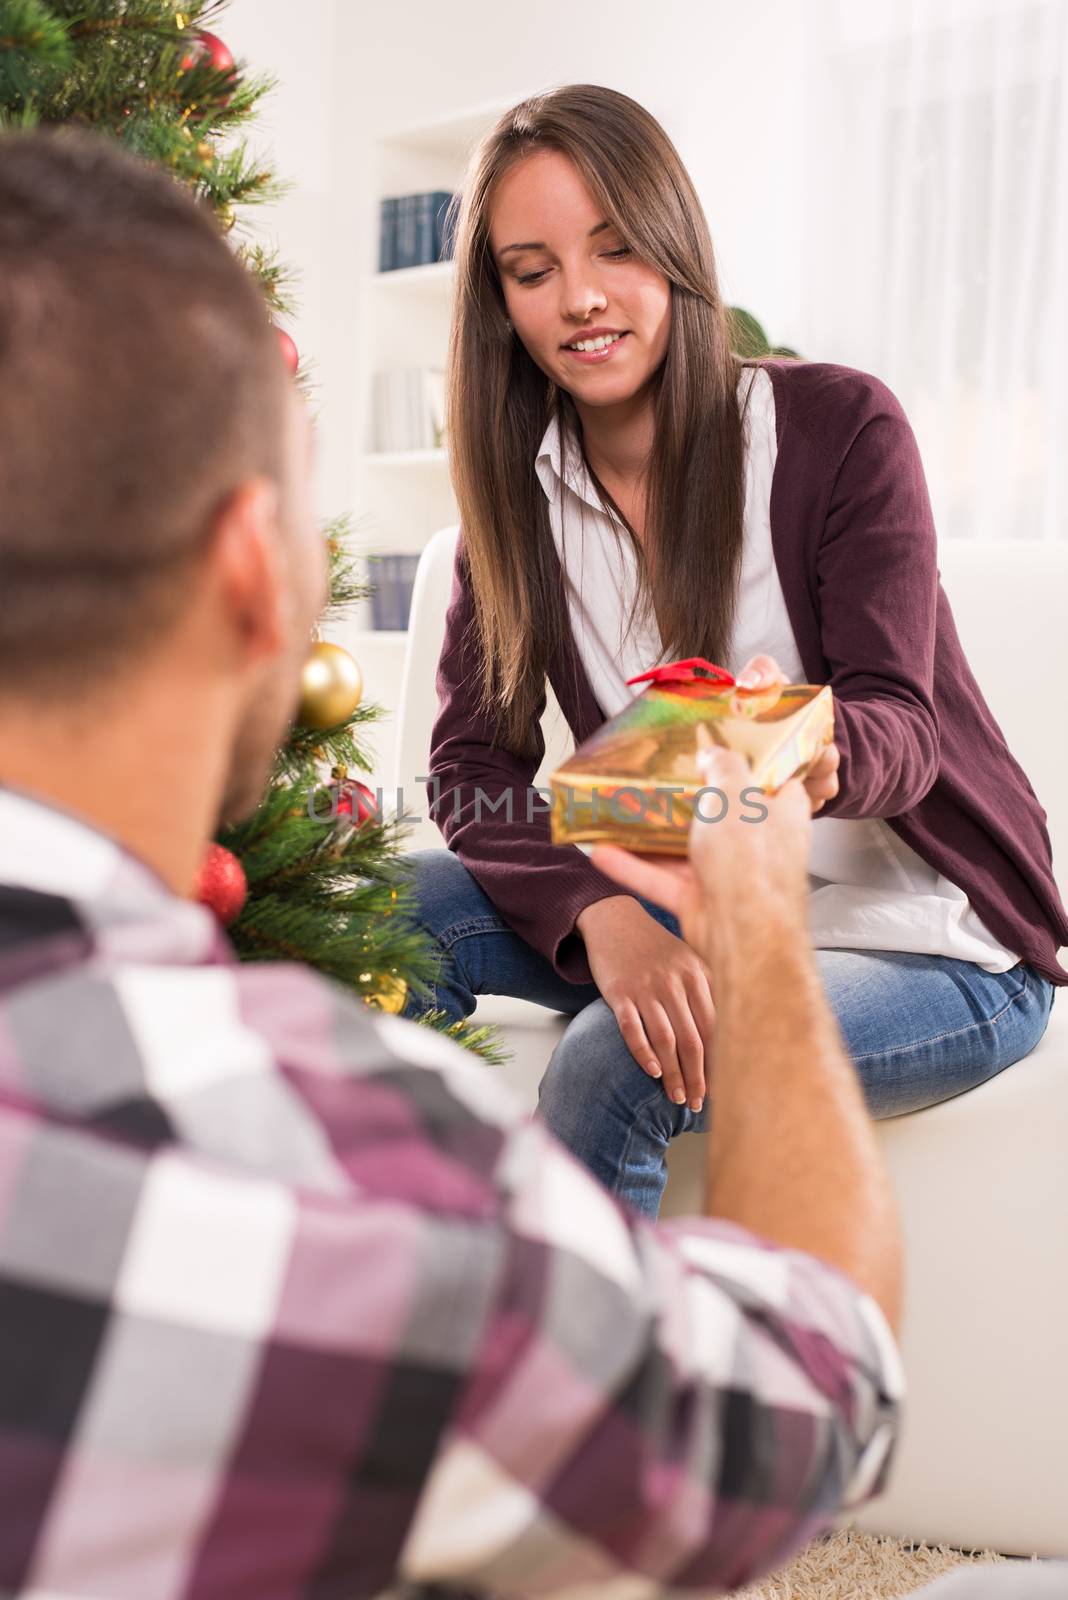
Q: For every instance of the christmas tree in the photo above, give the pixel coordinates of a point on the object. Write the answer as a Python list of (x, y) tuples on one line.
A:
[(313, 876)]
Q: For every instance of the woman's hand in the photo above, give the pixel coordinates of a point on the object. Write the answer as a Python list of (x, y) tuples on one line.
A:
[(658, 989), (821, 782)]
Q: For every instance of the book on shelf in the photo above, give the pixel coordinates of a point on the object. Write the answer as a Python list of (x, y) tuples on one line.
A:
[(393, 577), (415, 230), (408, 409)]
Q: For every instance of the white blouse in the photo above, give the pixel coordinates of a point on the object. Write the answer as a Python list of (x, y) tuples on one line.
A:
[(868, 889)]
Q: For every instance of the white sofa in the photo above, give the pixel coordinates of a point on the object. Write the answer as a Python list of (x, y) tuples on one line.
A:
[(983, 1179)]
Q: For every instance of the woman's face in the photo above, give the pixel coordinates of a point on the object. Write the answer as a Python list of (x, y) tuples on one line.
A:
[(568, 277)]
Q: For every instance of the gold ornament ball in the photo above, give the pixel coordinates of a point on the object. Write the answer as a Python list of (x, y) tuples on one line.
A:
[(392, 996), (330, 687)]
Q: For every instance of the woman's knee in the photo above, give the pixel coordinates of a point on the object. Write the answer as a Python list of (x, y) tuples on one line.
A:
[(591, 1071)]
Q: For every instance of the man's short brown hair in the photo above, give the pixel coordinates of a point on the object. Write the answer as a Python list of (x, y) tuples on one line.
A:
[(140, 384)]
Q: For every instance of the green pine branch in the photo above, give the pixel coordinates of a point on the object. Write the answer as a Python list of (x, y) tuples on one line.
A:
[(275, 279), (120, 68), (32, 40)]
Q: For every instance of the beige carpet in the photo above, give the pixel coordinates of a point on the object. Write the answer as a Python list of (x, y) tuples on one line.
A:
[(858, 1566)]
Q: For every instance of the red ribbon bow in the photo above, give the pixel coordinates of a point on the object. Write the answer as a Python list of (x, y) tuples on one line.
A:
[(695, 670)]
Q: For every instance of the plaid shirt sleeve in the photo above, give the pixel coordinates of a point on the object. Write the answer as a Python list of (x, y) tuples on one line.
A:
[(293, 1303)]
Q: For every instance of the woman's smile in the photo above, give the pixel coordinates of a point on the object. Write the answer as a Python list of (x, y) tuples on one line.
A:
[(592, 350)]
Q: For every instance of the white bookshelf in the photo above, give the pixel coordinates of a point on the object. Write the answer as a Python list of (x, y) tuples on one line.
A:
[(403, 497), (410, 281), (400, 498)]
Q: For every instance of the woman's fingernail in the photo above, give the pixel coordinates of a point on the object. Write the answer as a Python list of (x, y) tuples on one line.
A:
[(653, 1069), (679, 1097), (695, 1105)]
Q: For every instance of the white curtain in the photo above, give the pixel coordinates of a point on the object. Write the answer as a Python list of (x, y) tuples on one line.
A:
[(939, 245)]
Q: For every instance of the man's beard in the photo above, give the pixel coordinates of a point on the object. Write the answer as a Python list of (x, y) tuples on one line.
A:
[(260, 735)]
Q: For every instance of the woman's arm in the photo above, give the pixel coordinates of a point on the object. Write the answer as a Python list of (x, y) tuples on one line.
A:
[(481, 799), (877, 597)]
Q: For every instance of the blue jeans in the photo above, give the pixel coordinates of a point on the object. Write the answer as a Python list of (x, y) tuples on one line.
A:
[(919, 1028)]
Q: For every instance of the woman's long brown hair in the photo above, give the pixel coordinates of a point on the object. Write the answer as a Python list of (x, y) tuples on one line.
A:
[(499, 404)]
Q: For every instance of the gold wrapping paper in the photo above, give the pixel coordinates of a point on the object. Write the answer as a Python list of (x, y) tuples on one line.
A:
[(634, 782)]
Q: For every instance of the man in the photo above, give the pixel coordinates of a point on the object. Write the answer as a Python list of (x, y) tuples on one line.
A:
[(292, 1302)]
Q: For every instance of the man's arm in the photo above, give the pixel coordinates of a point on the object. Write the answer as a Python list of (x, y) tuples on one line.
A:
[(792, 1153)]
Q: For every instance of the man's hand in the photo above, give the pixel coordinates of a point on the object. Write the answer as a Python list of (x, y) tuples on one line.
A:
[(743, 873), (658, 989)]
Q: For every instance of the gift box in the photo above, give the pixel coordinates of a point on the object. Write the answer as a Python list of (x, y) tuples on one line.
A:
[(634, 782)]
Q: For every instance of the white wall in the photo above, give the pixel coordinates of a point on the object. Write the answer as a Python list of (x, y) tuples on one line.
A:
[(295, 129), (727, 79)]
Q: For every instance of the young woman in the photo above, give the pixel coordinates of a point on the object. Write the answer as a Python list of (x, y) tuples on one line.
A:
[(632, 493)]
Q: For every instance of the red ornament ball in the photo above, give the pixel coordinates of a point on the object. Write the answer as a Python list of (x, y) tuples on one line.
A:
[(221, 884), (357, 801), (208, 50), (290, 353)]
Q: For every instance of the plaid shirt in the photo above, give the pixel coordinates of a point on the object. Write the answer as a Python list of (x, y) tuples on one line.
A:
[(294, 1303)]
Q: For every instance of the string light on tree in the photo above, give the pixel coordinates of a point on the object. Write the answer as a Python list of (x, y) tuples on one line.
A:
[(391, 994)]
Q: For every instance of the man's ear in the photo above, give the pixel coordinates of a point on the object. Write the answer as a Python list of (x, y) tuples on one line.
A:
[(250, 582)]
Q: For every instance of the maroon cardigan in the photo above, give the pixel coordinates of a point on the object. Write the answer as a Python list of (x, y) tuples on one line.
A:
[(856, 553)]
